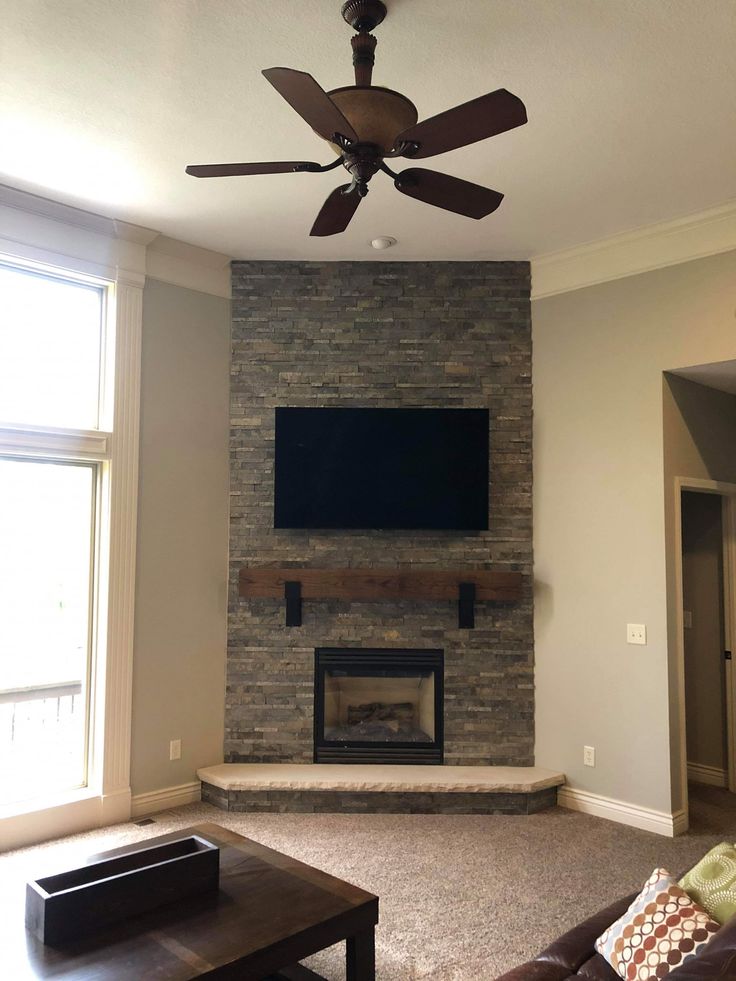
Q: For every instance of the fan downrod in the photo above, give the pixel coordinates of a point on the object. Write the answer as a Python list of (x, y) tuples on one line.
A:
[(364, 15)]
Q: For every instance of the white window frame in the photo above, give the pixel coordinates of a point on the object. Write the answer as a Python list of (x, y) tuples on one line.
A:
[(108, 256)]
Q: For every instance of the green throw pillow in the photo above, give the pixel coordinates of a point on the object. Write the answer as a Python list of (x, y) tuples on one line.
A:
[(712, 882)]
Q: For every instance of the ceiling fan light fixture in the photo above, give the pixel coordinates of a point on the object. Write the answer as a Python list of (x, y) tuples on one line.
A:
[(376, 114)]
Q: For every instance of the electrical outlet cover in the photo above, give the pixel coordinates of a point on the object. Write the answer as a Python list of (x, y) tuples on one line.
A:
[(636, 633)]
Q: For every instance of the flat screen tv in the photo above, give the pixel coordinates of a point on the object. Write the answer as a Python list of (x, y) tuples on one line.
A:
[(381, 468)]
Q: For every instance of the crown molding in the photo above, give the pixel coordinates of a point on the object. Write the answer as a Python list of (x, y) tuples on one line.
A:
[(630, 253), (12, 197), (180, 264), (118, 249), (39, 229)]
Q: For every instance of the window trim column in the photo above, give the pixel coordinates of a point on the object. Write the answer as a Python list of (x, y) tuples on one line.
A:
[(117, 686)]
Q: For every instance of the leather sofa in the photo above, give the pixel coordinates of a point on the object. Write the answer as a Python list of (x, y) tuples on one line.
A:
[(573, 955)]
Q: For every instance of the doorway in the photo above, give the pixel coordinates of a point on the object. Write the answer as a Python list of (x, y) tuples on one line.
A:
[(706, 618)]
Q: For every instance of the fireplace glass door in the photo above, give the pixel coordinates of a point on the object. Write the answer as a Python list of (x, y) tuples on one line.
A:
[(374, 706)]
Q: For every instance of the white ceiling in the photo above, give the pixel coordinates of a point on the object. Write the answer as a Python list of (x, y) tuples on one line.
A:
[(631, 103)]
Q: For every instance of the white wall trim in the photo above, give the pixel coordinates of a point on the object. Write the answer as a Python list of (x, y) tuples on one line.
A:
[(12, 197), (37, 229), (68, 443), (162, 800), (640, 250), (171, 261), (714, 776), (64, 815), (680, 822), (31, 235), (54, 821), (659, 822), (115, 682)]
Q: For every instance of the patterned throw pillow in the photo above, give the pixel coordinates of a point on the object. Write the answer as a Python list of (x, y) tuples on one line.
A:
[(712, 882), (661, 930), (659, 880)]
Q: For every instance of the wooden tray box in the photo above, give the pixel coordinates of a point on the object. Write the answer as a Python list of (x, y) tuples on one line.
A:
[(74, 904)]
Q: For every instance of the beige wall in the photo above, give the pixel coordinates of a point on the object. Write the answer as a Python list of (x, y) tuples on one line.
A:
[(699, 429), (181, 576), (702, 591), (599, 521)]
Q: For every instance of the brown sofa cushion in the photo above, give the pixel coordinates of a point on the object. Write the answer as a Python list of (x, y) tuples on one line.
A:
[(576, 946), (537, 971), (573, 954)]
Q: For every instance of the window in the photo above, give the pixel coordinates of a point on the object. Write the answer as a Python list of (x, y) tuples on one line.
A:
[(47, 517), (71, 297), (50, 347), (53, 480)]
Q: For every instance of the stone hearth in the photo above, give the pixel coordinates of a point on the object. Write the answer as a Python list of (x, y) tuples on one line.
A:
[(382, 789)]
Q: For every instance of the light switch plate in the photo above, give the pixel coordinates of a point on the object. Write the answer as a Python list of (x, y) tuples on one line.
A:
[(636, 633), (687, 619)]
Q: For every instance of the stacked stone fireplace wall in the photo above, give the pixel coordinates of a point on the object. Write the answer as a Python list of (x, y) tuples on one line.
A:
[(389, 335)]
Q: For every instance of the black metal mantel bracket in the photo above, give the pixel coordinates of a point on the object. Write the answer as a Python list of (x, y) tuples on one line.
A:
[(466, 605), (293, 597)]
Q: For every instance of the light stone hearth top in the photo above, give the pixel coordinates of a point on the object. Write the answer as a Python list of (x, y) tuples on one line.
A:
[(388, 777)]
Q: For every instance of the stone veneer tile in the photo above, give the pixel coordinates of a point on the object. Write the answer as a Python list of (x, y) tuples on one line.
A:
[(383, 802), (388, 335)]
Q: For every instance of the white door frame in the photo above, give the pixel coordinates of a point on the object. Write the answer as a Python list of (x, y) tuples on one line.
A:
[(727, 492)]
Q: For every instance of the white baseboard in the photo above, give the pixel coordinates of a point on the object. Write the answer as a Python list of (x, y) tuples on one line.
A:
[(680, 822), (115, 807), (53, 821), (162, 800), (712, 775), (66, 814), (660, 822)]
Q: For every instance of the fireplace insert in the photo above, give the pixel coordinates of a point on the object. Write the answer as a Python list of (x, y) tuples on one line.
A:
[(375, 705)]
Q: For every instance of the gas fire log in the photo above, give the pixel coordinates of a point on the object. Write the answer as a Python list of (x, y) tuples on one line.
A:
[(381, 712)]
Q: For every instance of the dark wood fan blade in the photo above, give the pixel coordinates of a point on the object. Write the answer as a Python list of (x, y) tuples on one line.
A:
[(447, 192), (311, 102), (243, 169), (476, 120), (337, 211)]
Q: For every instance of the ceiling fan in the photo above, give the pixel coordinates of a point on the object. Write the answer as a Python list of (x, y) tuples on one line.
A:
[(367, 125)]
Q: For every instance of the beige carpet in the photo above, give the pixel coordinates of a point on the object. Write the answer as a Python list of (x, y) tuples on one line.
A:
[(462, 898), (712, 810)]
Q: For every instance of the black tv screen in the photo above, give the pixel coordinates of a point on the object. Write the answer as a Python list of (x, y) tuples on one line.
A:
[(381, 468)]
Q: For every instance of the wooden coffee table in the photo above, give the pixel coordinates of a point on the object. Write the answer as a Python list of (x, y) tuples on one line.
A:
[(270, 912)]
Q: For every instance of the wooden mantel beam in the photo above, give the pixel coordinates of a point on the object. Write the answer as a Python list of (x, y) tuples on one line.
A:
[(381, 584)]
